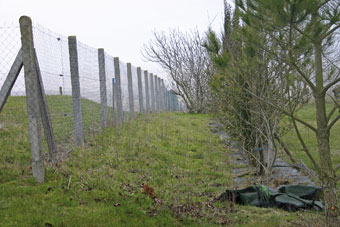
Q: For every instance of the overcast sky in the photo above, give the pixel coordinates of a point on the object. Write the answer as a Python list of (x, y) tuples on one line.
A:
[(121, 27)]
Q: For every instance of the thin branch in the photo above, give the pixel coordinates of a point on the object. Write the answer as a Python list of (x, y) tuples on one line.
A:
[(333, 122), (330, 32), (337, 168), (330, 114), (305, 78), (325, 89), (305, 148), (284, 111), (284, 147)]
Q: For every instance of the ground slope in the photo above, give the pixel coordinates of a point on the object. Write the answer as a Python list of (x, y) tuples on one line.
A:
[(99, 185)]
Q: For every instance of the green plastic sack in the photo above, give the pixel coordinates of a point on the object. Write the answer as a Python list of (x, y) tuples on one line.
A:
[(288, 197)]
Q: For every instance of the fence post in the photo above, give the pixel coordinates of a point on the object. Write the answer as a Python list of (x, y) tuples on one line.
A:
[(10, 79), (45, 115), (76, 98), (176, 103), (152, 93), (157, 92), (147, 92), (102, 81), (114, 115), (163, 95), (140, 90), (155, 81), (130, 89), (160, 94), (32, 98), (118, 92), (172, 101)]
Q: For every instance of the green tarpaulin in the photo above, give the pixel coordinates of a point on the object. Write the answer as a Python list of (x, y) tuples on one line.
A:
[(288, 197)]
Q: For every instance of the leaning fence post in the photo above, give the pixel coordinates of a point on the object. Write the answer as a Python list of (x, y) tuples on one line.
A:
[(130, 89), (76, 98), (118, 92), (32, 98), (102, 81), (152, 93), (140, 90), (114, 115), (45, 115), (10, 79), (147, 92)]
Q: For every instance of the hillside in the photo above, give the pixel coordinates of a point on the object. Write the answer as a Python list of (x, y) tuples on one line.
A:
[(99, 184)]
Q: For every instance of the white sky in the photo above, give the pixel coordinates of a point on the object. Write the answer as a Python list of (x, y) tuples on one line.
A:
[(121, 27)]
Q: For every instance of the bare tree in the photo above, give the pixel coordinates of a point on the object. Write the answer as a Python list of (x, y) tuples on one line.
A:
[(185, 59)]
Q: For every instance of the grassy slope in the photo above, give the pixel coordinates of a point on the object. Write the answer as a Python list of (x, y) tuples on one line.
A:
[(308, 114), (174, 153)]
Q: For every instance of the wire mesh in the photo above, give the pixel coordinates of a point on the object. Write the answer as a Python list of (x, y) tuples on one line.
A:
[(52, 50), (53, 58), (13, 116)]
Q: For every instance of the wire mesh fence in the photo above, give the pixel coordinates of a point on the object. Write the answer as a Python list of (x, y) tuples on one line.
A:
[(72, 89)]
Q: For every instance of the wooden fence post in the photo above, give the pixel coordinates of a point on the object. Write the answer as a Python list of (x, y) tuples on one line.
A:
[(118, 92), (76, 98), (32, 98), (102, 83)]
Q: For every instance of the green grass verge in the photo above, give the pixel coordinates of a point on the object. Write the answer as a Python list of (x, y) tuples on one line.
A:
[(308, 114), (99, 185)]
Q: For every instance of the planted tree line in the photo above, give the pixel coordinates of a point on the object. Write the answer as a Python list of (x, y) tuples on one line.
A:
[(148, 96), (273, 57)]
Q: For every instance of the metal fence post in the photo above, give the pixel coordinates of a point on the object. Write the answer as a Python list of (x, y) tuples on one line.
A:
[(153, 107), (76, 98), (140, 90), (32, 98), (118, 92), (130, 89), (147, 92), (102, 81)]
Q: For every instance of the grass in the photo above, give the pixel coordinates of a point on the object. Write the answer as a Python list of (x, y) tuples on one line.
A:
[(308, 115), (99, 184)]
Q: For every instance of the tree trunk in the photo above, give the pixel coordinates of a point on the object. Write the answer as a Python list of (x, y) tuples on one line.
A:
[(327, 174)]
